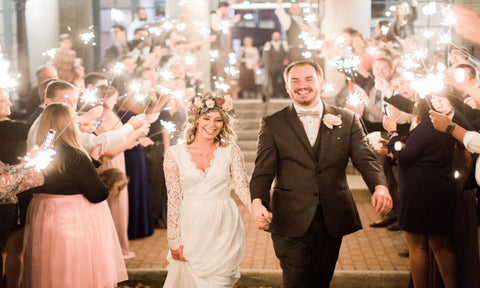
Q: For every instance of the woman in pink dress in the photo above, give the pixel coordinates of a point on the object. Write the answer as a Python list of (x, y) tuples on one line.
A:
[(70, 236)]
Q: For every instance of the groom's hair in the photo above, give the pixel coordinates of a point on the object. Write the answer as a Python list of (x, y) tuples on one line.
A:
[(315, 66)]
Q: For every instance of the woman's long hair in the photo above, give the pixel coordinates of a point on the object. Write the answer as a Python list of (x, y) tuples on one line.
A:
[(60, 118), (226, 135)]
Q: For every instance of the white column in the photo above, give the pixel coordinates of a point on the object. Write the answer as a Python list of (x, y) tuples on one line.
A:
[(340, 14), (42, 31)]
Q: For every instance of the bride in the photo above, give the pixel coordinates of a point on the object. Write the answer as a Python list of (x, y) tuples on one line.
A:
[(205, 231)]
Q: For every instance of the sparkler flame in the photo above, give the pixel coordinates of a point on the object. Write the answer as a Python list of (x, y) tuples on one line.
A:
[(41, 160)]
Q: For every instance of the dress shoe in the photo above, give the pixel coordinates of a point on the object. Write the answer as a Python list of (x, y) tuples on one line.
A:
[(393, 226), (383, 222), (129, 255)]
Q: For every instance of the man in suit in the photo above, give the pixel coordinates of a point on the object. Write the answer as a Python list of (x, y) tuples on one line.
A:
[(275, 59), (311, 206)]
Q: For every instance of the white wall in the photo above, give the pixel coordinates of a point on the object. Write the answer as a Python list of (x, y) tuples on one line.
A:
[(42, 31)]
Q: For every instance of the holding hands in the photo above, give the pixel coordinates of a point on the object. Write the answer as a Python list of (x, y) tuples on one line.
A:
[(260, 215)]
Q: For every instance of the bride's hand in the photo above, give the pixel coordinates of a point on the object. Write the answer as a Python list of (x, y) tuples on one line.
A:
[(178, 254)]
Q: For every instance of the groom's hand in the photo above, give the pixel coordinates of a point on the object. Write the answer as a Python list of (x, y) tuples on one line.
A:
[(381, 200), (260, 215)]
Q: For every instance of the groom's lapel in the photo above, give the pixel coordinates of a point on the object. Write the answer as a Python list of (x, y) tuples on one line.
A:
[(298, 129), (324, 135)]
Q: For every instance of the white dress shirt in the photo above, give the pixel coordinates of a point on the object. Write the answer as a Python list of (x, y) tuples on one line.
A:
[(311, 123)]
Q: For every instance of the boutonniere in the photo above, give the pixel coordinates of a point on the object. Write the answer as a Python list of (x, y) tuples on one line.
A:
[(331, 120)]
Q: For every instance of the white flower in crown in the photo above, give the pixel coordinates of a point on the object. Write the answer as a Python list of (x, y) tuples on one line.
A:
[(331, 120), (198, 102), (210, 103)]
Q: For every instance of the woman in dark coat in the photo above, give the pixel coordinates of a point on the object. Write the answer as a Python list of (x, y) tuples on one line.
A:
[(427, 195)]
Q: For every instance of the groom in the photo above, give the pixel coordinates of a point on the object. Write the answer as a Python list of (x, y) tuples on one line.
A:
[(305, 148)]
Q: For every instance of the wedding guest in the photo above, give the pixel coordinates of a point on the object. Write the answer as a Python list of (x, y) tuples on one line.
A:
[(70, 236), (426, 195)]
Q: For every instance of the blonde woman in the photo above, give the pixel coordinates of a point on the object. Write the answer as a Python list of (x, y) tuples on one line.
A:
[(70, 236), (205, 232)]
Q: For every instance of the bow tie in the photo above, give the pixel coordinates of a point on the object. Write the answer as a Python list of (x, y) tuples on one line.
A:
[(314, 114)]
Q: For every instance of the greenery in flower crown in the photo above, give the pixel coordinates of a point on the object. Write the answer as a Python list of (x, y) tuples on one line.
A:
[(210, 102)]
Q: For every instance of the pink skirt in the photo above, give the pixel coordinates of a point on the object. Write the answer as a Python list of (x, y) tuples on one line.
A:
[(71, 242)]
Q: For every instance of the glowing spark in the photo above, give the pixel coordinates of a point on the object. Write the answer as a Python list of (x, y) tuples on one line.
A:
[(181, 26), (384, 29), (310, 18), (168, 25), (388, 14), (328, 88), (449, 18), (169, 126), (89, 96), (163, 90), (139, 97), (222, 86), (50, 53), (347, 64), (307, 55), (428, 33), (213, 55), (459, 75), (408, 62), (398, 146), (441, 67), (445, 38), (87, 37), (189, 60), (225, 26), (430, 9), (456, 174), (118, 68), (154, 31), (135, 87), (41, 160), (231, 70), (420, 53), (182, 3), (409, 76), (179, 94), (430, 84), (355, 99), (116, 15), (232, 59), (166, 75)]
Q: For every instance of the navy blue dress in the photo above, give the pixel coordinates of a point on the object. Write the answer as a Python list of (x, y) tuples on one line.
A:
[(426, 180), (140, 221)]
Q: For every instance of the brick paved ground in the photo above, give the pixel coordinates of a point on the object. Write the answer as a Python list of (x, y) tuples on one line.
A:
[(366, 250)]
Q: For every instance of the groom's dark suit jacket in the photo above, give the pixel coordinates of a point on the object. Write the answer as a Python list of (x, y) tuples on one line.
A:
[(305, 176)]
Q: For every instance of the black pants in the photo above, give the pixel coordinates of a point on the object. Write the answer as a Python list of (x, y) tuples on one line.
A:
[(158, 189), (308, 261)]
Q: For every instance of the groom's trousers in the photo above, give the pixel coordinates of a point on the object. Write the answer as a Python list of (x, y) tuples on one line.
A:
[(308, 261)]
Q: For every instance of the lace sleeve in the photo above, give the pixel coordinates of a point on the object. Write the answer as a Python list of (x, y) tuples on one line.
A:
[(172, 179), (239, 175)]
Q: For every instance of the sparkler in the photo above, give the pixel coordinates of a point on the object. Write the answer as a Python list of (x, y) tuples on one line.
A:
[(50, 53), (41, 160), (87, 37), (355, 99), (449, 18), (459, 75)]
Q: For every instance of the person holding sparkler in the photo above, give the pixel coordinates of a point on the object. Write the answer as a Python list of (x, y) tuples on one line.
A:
[(115, 158), (427, 192), (71, 239), (402, 25)]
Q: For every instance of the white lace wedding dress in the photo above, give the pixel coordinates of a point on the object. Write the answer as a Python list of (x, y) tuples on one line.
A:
[(204, 218)]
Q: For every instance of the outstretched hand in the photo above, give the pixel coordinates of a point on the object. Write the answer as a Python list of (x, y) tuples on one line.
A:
[(260, 215), (381, 200)]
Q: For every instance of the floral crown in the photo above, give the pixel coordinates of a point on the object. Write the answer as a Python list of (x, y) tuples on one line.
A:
[(209, 102)]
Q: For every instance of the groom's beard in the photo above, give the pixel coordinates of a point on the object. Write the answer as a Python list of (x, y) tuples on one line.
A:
[(306, 101)]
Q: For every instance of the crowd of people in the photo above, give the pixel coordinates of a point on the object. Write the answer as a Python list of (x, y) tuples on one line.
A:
[(142, 144)]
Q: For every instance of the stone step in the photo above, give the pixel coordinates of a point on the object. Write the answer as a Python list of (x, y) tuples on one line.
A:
[(247, 145), (247, 134)]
